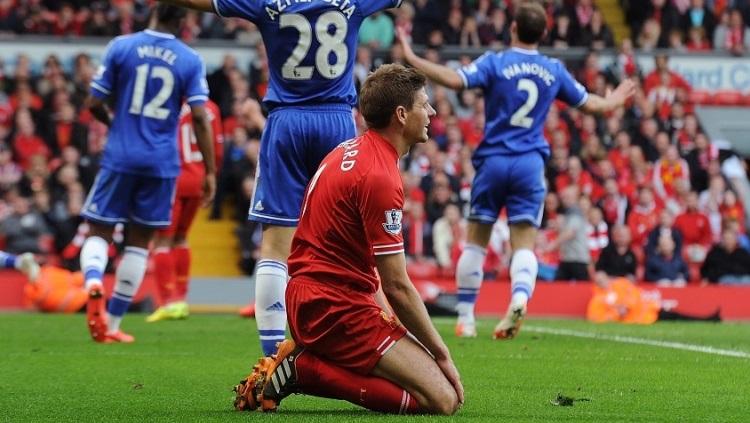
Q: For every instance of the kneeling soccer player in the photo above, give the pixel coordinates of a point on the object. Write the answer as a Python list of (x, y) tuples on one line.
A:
[(345, 346)]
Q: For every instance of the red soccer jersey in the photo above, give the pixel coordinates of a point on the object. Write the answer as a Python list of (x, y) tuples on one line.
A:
[(352, 212), (192, 171)]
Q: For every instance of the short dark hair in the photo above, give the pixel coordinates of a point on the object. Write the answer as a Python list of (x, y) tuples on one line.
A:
[(169, 14), (531, 22), (390, 86)]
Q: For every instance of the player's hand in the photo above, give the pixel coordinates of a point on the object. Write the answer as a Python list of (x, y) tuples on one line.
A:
[(451, 373), (623, 92), (403, 39), (209, 189)]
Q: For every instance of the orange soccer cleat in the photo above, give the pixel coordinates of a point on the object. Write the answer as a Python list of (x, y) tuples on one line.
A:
[(121, 337), (95, 317), (509, 326), (273, 379), (248, 311)]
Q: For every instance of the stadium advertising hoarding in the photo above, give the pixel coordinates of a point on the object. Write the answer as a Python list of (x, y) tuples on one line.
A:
[(707, 72)]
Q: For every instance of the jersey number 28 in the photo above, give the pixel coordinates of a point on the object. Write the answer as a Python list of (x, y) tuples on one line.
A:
[(329, 43)]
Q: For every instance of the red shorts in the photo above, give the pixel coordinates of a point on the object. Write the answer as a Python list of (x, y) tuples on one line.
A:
[(183, 214), (344, 326)]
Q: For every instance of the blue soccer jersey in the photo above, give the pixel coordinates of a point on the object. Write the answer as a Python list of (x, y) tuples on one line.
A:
[(519, 87), (311, 45), (148, 75)]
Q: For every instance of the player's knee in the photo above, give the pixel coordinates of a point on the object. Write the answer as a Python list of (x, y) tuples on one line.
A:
[(443, 401)]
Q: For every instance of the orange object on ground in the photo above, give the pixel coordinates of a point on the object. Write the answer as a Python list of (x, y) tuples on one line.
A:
[(57, 290), (624, 302)]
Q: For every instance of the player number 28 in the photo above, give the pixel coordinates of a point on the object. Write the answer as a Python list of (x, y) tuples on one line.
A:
[(329, 43), (153, 108), (521, 116)]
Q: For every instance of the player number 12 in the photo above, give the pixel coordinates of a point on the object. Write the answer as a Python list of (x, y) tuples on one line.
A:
[(153, 108), (329, 43)]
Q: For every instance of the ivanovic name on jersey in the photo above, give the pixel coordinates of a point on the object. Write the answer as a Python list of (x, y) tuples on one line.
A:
[(529, 69)]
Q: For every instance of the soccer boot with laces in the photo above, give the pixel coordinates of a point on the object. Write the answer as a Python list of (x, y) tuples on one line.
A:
[(95, 316), (121, 337), (272, 379), (510, 324), (27, 265)]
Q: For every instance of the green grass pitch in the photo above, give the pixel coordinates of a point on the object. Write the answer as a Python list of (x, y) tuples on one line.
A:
[(184, 371)]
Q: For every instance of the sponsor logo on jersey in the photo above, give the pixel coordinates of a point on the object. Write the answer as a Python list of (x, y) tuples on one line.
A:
[(392, 223)]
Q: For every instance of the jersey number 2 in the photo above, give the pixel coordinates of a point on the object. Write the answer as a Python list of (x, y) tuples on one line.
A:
[(153, 108), (521, 116), (329, 43)]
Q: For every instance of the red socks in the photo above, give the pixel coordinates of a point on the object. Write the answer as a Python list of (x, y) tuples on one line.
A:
[(181, 257), (164, 272), (320, 378)]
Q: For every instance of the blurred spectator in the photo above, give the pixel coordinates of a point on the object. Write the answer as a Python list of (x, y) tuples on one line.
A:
[(696, 231), (668, 170), (664, 265), (617, 259), (699, 16), (726, 262), (710, 202), (596, 35), (24, 229), (377, 31), (447, 234), (598, 232), (643, 218), (731, 34), (572, 242), (495, 32), (665, 228)]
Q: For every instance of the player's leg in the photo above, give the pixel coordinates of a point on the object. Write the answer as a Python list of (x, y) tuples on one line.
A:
[(24, 263), (181, 255), (487, 198), (164, 271), (105, 206), (525, 204)]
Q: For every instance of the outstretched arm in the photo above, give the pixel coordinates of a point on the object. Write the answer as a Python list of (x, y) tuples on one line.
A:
[(202, 5), (596, 104), (443, 75)]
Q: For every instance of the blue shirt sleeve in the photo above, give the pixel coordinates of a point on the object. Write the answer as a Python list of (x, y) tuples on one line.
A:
[(104, 80), (368, 7), (196, 92), (247, 9), (477, 73), (571, 91)]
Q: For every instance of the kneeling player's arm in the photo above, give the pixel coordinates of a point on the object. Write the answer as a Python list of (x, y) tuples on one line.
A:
[(407, 304), (204, 137), (99, 110), (202, 5)]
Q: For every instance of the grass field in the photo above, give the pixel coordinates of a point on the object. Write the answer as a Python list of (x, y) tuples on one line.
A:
[(184, 371)]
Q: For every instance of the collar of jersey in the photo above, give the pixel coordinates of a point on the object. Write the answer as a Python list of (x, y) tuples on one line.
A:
[(158, 34), (382, 140), (524, 51)]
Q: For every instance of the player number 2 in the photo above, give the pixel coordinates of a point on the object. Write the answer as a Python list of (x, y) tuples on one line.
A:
[(521, 116), (329, 43), (153, 108)]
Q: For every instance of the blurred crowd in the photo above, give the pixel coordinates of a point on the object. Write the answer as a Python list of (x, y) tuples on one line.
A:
[(642, 193)]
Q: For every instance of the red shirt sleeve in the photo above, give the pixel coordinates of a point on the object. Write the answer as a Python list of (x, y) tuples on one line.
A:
[(380, 203)]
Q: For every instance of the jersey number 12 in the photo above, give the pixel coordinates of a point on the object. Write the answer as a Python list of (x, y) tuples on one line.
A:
[(329, 43), (153, 108)]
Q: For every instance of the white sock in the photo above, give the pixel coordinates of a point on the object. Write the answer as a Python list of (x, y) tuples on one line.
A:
[(129, 276), (270, 303), (469, 275), (94, 260), (523, 270)]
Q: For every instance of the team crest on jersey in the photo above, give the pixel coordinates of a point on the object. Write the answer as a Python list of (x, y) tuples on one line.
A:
[(392, 223)]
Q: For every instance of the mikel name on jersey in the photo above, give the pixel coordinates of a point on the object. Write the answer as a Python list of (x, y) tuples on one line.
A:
[(276, 7), (157, 52)]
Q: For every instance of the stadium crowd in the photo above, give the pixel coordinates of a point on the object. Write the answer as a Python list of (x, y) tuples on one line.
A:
[(642, 193)]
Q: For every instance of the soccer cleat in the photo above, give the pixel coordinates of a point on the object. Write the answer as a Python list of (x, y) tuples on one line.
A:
[(120, 337), (95, 317), (28, 266), (510, 324), (173, 311), (248, 311), (466, 329), (273, 379)]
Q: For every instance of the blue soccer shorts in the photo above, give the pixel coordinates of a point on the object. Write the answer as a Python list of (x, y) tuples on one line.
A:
[(515, 182), (294, 142), (118, 197)]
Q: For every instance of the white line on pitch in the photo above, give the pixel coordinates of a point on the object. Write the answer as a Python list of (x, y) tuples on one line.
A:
[(639, 341)]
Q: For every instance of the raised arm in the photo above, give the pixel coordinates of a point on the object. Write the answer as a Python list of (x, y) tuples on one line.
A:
[(443, 75), (201, 5), (596, 104)]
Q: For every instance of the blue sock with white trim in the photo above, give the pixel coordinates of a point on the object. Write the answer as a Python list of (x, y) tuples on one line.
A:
[(7, 261), (270, 303), (129, 276), (523, 270), (469, 275)]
